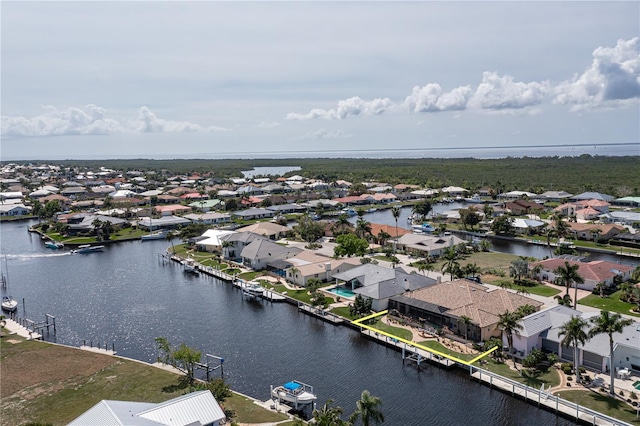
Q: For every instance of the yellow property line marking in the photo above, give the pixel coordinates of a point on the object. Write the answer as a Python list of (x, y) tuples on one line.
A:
[(417, 345)]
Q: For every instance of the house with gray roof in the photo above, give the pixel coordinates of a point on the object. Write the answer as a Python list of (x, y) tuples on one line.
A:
[(380, 284), (540, 331), (233, 244), (593, 196), (260, 252), (196, 408), (208, 218), (427, 244), (256, 213)]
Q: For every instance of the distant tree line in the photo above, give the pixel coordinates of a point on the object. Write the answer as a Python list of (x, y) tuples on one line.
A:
[(617, 176)]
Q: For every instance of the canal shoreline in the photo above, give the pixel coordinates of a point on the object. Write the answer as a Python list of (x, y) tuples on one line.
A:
[(544, 400)]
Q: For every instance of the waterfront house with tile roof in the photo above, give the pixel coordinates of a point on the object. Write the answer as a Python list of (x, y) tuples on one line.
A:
[(444, 304), (592, 272)]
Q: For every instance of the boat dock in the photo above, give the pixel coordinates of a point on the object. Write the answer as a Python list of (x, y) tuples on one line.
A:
[(269, 295), (20, 330), (544, 399), (320, 313), (409, 352)]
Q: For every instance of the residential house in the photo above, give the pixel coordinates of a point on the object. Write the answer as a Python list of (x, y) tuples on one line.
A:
[(271, 230), (591, 272), (256, 213), (171, 210), (593, 196), (211, 218), (380, 284), (195, 408), (14, 210), (556, 196), (287, 208), (213, 240), (306, 265), (206, 205), (541, 330), (444, 305), (588, 231), (426, 244), (235, 243), (260, 252), (527, 226), (623, 217), (627, 201), (164, 222)]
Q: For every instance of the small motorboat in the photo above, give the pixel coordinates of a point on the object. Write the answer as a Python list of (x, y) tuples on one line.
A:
[(190, 266), (87, 248), (158, 235), (53, 245), (9, 304)]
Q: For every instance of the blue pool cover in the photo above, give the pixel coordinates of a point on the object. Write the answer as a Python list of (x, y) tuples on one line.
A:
[(292, 386)]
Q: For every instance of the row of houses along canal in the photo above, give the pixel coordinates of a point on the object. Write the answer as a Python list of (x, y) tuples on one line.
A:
[(125, 295)]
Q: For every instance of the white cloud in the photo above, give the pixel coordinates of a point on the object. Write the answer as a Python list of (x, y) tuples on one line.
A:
[(268, 124), (347, 108), (613, 78), (324, 134), (54, 122), (501, 92), (430, 98), (92, 120)]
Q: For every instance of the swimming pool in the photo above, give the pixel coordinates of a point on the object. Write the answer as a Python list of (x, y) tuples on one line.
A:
[(341, 291)]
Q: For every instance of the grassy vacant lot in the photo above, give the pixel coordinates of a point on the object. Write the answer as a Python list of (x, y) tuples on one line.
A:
[(45, 383), (549, 376), (611, 303), (484, 260), (602, 403)]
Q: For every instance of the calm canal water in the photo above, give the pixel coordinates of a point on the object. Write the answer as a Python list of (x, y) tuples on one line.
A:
[(128, 296)]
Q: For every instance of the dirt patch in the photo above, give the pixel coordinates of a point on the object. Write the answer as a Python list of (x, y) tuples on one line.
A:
[(48, 364), (13, 341)]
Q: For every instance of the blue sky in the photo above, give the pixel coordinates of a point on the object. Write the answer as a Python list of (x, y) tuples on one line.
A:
[(161, 79)]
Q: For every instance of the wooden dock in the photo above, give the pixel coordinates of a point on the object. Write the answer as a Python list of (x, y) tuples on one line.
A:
[(320, 313)]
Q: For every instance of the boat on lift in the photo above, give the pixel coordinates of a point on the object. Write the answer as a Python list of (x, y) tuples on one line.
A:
[(296, 393)]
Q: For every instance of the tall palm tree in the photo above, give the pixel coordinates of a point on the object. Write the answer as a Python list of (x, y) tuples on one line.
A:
[(363, 228), (367, 410), (574, 334), (395, 212), (509, 324), (567, 275), (450, 264), (608, 323), (422, 209), (424, 266), (550, 233)]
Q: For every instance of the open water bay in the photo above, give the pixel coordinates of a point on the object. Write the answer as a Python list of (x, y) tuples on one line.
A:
[(128, 296)]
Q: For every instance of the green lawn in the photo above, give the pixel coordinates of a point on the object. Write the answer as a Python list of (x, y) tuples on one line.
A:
[(343, 311), (535, 379), (434, 344), (611, 303), (248, 412), (395, 331), (603, 404), (539, 289)]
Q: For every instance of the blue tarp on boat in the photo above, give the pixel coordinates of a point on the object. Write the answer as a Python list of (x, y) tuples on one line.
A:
[(292, 386)]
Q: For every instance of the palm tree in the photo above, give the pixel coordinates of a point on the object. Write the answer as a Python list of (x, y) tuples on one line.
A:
[(424, 266), (382, 237), (574, 334), (567, 275), (608, 323), (509, 324), (466, 321), (422, 209), (550, 233), (328, 416), (363, 228), (450, 264), (395, 211), (367, 410)]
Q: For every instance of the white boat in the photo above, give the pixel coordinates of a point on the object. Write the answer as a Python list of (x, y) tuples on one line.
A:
[(86, 248), (474, 200), (294, 392), (53, 245), (252, 290), (9, 304), (371, 210), (158, 235), (190, 266), (349, 212), (425, 228)]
